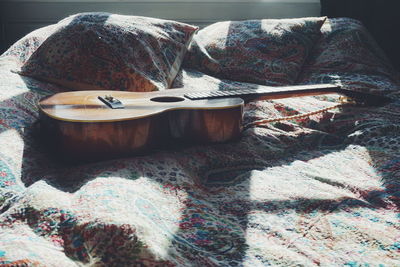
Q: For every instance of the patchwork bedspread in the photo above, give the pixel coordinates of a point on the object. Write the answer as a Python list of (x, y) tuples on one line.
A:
[(322, 190)]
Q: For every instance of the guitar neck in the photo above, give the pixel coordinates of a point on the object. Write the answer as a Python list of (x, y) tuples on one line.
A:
[(268, 93)]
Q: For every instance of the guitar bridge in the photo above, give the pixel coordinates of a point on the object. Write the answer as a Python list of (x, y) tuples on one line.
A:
[(111, 102)]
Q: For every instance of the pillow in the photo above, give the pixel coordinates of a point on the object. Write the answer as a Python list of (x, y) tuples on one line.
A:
[(377, 16), (267, 52), (114, 52), (348, 55), (346, 45), (23, 49)]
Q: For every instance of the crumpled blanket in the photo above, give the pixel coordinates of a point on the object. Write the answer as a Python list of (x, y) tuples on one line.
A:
[(322, 190)]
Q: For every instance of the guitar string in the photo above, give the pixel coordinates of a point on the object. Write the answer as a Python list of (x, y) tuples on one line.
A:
[(344, 101)]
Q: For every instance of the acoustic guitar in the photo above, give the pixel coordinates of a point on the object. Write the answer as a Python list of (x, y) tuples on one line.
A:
[(92, 125)]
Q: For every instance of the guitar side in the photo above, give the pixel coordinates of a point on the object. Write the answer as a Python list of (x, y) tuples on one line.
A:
[(79, 126)]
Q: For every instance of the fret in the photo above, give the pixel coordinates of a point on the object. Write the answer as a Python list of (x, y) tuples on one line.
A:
[(218, 93)]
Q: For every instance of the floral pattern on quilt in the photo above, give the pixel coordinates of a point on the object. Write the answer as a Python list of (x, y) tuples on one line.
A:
[(267, 52), (112, 52), (317, 191)]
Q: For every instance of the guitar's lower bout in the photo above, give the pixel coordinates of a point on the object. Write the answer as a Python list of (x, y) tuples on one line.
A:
[(88, 141)]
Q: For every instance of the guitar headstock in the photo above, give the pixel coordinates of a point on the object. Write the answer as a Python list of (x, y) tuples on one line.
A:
[(363, 98)]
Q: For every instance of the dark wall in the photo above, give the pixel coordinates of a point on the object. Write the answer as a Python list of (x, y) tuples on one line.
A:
[(381, 17), (2, 38)]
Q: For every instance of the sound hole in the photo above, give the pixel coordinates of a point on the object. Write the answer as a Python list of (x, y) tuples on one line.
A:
[(167, 99)]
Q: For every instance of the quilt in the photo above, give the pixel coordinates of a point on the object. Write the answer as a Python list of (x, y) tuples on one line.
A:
[(317, 191)]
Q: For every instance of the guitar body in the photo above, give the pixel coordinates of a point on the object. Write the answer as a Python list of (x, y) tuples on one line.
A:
[(79, 126)]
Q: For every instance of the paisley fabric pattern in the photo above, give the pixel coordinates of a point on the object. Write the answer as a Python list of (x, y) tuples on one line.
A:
[(23, 49), (319, 191), (114, 52), (267, 52), (347, 49)]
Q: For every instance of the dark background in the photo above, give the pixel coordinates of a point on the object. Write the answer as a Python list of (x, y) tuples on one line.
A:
[(381, 17)]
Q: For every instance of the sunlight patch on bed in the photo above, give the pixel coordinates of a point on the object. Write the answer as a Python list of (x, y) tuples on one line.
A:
[(12, 85), (291, 198), (12, 150), (331, 175), (8, 93), (20, 243), (140, 203), (42, 196)]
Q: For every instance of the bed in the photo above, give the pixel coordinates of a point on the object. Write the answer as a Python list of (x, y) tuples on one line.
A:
[(317, 190)]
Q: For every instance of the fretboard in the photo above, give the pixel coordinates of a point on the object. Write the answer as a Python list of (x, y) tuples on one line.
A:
[(289, 91), (265, 91)]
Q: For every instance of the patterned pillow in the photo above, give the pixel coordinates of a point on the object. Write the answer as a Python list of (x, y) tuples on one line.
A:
[(347, 46), (268, 51), (23, 49), (109, 51), (348, 55)]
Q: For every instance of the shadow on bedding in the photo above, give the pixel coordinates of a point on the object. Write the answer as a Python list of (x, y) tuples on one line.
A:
[(223, 223), (216, 219), (226, 208), (212, 224)]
